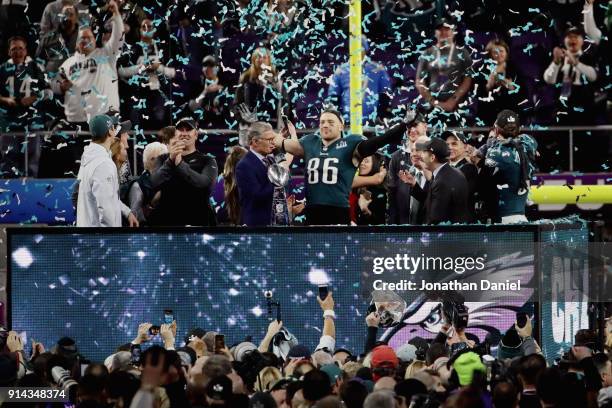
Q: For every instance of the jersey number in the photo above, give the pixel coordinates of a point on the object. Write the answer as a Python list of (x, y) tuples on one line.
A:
[(24, 89), (330, 171)]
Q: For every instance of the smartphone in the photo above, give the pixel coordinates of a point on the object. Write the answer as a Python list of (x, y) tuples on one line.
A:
[(323, 291), (135, 350), (168, 316), (219, 343), (521, 319), (285, 120)]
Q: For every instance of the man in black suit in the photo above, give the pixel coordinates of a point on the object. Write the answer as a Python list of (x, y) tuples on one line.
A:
[(446, 199), (458, 158)]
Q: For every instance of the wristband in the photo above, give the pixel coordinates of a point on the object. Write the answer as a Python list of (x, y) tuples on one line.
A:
[(283, 146), (329, 313)]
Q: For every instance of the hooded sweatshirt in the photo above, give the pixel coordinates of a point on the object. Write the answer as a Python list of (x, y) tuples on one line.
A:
[(99, 204)]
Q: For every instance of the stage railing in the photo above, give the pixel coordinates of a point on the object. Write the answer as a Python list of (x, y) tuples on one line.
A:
[(23, 150)]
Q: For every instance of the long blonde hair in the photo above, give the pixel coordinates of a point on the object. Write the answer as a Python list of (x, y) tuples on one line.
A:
[(414, 367), (267, 377), (253, 73), (230, 188)]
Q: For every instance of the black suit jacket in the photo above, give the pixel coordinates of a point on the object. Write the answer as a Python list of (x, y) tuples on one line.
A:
[(471, 175), (446, 200)]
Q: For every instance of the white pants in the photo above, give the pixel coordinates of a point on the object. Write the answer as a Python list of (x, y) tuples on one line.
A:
[(513, 219)]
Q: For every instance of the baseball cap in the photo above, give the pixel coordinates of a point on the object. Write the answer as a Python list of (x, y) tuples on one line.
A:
[(126, 125), (99, 126), (187, 122), (435, 145), (465, 366), (209, 61), (507, 118), (299, 351), (195, 332), (457, 135), (443, 21), (242, 349), (282, 384), (407, 352), (333, 371), (384, 356), (574, 30), (219, 388)]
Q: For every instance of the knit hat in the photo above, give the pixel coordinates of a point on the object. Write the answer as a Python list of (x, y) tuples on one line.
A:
[(384, 356), (465, 366)]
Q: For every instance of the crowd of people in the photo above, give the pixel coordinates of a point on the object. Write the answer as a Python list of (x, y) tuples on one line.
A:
[(431, 180), (205, 369), (158, 63)]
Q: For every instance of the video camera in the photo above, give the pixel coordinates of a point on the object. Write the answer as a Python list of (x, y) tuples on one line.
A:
[(453, 307)]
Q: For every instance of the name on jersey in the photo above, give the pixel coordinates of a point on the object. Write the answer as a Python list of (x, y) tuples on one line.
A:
[(89, 64)]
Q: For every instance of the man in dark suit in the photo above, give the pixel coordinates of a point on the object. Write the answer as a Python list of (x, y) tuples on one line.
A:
[(254, 188), (447, 197), (458, 158)]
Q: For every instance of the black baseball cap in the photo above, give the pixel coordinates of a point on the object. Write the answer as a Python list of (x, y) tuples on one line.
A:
[(574, 30), (436, 146), (126, 125), (457, 135), (187, 122), (443, 21), (507, 118), (219, 389)]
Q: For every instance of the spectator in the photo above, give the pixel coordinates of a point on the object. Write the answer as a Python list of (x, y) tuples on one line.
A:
[(254, 188), (210, 104), (230, 187), (530, 367), (186, 179), (88, 79), (377, 92), (501, 88), (280, 15), (372, 201), (505, 396), (458, 158), (53, 16), (142, 199), (24, 88), (88, 82), (132, 16), (509, 159), (262, 91), (380, 399), (118, 154), (447, 196), (165, 134), (404, 209), (573, 73), (444, 73), (58, 44), (144, 68), (98, 203)]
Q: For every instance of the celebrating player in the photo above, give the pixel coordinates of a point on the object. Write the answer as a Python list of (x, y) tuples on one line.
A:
[(331, 163)]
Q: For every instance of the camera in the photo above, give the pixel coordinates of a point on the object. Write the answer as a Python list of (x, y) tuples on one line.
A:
[(270, 303), (453, 308), (65, 382)]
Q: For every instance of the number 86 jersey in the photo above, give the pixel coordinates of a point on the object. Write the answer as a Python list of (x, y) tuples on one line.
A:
[(329, 169)]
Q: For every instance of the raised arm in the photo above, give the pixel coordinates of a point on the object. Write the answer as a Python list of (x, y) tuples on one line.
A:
[(292, 145)]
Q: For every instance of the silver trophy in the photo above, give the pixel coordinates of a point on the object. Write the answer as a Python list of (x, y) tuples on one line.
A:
[(279, 176)]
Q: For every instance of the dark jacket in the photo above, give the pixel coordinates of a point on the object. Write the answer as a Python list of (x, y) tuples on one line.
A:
[(399, 192), (255, 191), (446, 199), (185, 191), (471, 175)]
